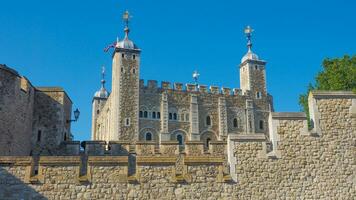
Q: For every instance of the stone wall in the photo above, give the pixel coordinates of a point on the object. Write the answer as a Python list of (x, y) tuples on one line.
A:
[(31, 118), (52, 112), (16, 110), (294, 164)]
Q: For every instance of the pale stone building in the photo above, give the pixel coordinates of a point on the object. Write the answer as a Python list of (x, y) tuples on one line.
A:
[(135, 111), (33, 120)]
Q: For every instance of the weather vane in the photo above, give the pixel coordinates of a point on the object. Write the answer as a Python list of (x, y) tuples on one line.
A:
[(126, 17), (196, 77), (248, 31), (103, 76)]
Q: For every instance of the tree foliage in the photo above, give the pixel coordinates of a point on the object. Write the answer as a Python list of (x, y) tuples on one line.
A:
[(337, 74)]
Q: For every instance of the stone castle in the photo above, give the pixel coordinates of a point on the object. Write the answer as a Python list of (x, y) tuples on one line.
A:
[(137, 112), (151, 142)]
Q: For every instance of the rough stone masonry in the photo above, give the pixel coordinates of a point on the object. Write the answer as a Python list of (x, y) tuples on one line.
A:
[(303, 164)]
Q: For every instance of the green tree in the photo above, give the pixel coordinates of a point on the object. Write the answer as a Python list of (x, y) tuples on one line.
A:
[(337, 74)]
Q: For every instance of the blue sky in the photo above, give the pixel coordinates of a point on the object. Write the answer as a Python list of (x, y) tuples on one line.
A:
[(60, 43)]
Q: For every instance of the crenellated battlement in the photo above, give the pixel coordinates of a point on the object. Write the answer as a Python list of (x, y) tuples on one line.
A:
[(247, 165), (128, 160), (189, 87)]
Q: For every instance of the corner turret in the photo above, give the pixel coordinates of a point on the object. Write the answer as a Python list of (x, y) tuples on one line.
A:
[(99, 100), (252, 71)]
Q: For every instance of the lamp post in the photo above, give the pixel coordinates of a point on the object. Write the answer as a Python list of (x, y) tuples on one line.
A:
[(76, 116)]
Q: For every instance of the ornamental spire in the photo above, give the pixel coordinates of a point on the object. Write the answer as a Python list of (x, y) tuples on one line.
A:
[(126, 17), (248, 31), (103, 77)]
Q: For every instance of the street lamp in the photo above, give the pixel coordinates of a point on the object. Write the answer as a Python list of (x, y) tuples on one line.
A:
[(76, 116)]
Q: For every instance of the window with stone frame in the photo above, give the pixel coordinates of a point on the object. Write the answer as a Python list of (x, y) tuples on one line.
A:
[(208, 120), (148, 136), (158, 115), (141, 114), (235, 123), (261, 125), (154, 115), (145, 114), (180, 139)]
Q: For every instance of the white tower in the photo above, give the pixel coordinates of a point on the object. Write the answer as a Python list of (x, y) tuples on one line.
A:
[(252, 71), (124, 121)]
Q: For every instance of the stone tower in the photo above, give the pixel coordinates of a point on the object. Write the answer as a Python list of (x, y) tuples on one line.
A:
[(253, 83), (99, 100), (252, 71), (124, 111)]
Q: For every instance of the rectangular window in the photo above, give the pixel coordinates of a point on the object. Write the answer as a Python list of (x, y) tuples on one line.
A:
[(39, 133)]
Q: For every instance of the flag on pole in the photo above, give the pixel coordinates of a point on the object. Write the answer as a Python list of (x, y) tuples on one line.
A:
[(106, 49)]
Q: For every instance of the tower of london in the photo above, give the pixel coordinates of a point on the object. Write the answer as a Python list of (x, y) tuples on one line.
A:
[(136, 110), (171, 140)]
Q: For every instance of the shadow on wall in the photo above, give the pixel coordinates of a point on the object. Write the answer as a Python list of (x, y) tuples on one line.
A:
[(13, 188)]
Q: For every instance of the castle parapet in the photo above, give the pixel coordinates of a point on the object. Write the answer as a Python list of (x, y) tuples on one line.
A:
[(226, 91), (119, 148), (178, 86), (166, 85), (145, 148), (94, 147), (152, 84), (70, 148), (214, 89), (194, 148), (191, 87), (169, 148), (237, 91), (203, 88), (218, 148)]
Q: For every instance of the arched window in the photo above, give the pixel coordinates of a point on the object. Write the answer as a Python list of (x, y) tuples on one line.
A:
[(145, 114), (235, 123), (180, 139), (187, 117), (154, 115), (148, 136), (208, 121), (261, 124), (207, 143), (174, 116), (170, 116), (158, 115), (65, 137), (98, 111), (141, 114), (134, 71)]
